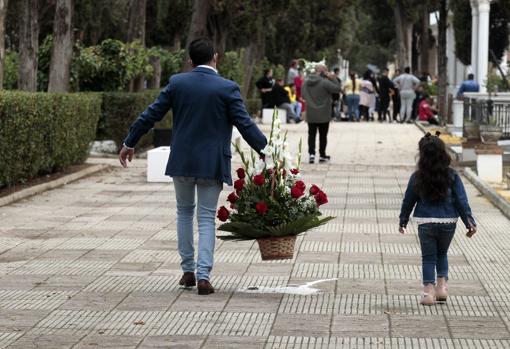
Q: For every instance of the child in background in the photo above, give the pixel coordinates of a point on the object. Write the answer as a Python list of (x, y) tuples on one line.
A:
[(439, 196)]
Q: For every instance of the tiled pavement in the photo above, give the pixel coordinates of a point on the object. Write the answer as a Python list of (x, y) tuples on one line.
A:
[(94, 265)]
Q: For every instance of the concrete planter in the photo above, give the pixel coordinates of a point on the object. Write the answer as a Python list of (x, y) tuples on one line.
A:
[(471, 130), (490, 134)]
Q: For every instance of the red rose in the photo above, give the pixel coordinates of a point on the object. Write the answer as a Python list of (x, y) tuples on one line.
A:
[(259, 179), (223, 214), (301, 185), (270, 171), (232, 197), (294, 171), (314, 190), (321, 198), (296, 192), (239, 184), (241, 173), (261, 207)]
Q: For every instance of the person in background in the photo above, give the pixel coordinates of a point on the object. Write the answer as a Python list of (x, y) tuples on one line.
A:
[(407, 84), (385, 88), (420, 95), (438, 197), (469, 85), (265, 86), (317, 91), (367, 95), (427, 112), (336, 98), (293, 72), (351, 91), (395, 97), (295, 104), (374, 102), (279, 98), (298, 84)]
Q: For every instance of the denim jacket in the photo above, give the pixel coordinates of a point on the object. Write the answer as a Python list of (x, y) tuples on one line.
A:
[(454, 205)]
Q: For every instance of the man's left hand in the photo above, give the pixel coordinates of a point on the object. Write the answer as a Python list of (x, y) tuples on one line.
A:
[(126, 154)]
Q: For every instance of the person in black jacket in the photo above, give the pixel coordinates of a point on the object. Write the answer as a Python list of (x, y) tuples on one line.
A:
[(265, 86), (385, 86), (279, 98)]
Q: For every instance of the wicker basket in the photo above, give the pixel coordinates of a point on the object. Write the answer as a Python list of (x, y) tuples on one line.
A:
[(277, 247)]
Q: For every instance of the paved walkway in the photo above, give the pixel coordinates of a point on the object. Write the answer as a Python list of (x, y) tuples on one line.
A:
[(94, 265)]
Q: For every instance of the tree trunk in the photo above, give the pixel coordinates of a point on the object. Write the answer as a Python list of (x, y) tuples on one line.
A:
[(198, 26), (424, 40), (62, 47), (136, 25), (442, 60), (176, 46), (3, 11), (29, 45), (136, 32), (155, 81), (252, 55), (401, 28)]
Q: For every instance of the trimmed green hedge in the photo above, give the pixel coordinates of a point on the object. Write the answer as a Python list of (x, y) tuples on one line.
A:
[(42, 133), (120, 109)]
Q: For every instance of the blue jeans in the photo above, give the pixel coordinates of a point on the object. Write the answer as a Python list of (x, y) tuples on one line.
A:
[(296, 106), (435, 240), (352, 106), (208, 192)]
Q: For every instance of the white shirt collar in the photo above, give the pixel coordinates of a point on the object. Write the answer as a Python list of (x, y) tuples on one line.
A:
[(208, 67)]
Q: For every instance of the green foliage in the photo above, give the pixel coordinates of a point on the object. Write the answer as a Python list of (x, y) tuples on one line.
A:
[(498, 35), (230, 67), (11, 66), (246, 231), (43, 63), (171, 62), (41, 133), (462, 29), (120, 109), (253, 105), (110, 65), (495, 83)]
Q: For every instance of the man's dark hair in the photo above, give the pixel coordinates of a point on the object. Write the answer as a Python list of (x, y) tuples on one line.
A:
[(336, 70), (471, 76), (407, 70), (385, 70), (201, 51)]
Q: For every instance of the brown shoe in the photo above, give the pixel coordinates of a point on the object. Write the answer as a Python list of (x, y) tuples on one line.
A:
[(188, 279), (204, 287)]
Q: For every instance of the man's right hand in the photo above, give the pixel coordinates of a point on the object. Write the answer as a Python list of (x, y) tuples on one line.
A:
[(126, 154)]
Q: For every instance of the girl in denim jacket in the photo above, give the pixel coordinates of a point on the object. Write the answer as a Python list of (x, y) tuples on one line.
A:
[(437, 194)]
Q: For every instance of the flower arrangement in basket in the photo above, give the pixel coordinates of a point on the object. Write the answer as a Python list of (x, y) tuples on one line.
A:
[(271, 203)]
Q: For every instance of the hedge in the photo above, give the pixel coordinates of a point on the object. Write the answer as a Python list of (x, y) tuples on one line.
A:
[(42, 133), (120, 109)]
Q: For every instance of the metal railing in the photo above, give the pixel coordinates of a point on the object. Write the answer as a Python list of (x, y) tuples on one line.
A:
[(485, 112)]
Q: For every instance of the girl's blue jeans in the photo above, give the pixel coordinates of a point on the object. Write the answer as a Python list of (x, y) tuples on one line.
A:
[(207, 192), (435, 240)]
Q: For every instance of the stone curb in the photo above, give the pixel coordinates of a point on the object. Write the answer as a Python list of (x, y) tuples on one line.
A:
[(493, 196), (40, 188)]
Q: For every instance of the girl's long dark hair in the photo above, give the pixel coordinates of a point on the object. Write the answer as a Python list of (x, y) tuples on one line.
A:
[(433, 177)]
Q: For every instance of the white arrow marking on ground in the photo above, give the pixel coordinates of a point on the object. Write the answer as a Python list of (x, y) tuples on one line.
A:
[(303, 290)]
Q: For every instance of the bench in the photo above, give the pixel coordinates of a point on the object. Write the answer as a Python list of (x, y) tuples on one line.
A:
[(267, 115)]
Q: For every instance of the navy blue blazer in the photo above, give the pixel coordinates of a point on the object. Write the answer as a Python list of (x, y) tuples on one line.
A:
[(205, 106)]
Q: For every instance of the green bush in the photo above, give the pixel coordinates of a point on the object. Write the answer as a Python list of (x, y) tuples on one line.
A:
[(171, 62), (230, 67), (110, 65), (253, 105), (120, 109), (11, 65), (41, 133)]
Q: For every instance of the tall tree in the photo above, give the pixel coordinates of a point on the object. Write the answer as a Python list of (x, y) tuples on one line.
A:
[(442, 61), (404, 34), (136, 32), (62, 51), (3, 12), (29, 45), (198, 25), (424, 39)]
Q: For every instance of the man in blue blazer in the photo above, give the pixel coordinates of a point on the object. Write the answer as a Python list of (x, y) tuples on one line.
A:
[(205, 106)]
